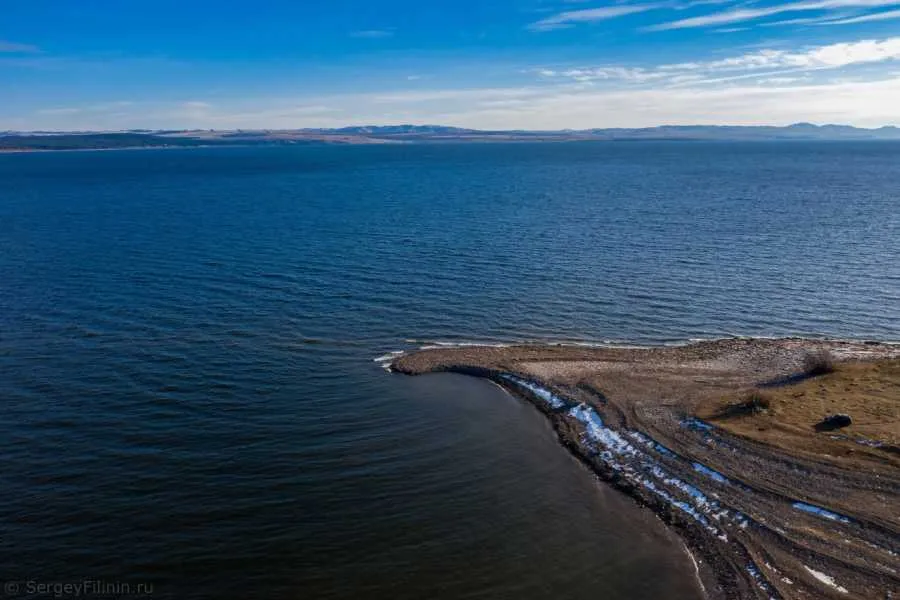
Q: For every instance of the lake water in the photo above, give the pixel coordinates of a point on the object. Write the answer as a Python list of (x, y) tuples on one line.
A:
[(188, 390)]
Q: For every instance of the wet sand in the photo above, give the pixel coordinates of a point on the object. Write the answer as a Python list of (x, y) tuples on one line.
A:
[(806, 515)]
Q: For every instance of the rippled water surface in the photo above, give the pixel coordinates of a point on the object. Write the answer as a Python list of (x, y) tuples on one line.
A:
[(186, 343)]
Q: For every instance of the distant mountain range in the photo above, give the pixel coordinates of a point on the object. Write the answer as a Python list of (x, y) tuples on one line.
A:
[(142, 138)]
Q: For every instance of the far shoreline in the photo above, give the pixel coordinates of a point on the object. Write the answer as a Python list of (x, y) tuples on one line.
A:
[(24, 141), (452, 142)]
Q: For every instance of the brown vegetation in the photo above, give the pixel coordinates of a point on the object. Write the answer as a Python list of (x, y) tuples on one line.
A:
[(751, 403), (869, 392), (820, 362)]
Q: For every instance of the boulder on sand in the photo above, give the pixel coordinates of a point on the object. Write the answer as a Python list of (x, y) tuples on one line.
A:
[(835, 421)]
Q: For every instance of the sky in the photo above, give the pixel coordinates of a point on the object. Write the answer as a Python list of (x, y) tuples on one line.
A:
[(505, 64)]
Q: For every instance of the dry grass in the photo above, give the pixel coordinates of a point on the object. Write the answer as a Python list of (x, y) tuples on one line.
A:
[(787, 416)]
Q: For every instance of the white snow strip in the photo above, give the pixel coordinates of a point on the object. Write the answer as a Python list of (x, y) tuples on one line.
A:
[(826, 579), (696, 424), (712, 474), (543, 393), (596, 431), (618, 445), (651, 443), (758, 578), (821, 512), (610, 445)]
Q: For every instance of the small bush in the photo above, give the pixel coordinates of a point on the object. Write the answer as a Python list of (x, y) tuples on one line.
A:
[(753, 403), (818, 363), (756, 402)]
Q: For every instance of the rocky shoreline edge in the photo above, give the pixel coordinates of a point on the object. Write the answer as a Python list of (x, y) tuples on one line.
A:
[(761, 522)]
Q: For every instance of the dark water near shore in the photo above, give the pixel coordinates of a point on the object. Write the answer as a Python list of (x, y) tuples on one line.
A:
[(186, 341)]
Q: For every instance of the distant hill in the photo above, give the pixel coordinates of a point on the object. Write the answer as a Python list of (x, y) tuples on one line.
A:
[(382, 134), (735, 132), (400, 130)]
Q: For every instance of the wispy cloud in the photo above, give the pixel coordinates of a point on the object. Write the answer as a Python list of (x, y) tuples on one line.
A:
[(93, 108), (763, 63), (439, 95), (817, 20), (740, 15), (16, 48), (372, 34), (882, 16), (589, 15), (65, 110), (867, 103), (781, 80)]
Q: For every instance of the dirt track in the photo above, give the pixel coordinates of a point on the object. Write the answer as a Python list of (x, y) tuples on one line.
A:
[(764, 520)]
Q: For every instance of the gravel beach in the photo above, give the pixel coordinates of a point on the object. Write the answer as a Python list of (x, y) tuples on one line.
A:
[(783, 514)]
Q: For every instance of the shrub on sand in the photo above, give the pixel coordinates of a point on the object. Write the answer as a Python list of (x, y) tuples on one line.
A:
[(818, 363), (752, 403), (756, 403)]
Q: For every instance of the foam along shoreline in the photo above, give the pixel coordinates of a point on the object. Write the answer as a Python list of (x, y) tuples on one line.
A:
[(761, 523)]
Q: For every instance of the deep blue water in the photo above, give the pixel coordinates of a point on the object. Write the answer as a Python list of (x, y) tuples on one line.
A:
[(186, 343)]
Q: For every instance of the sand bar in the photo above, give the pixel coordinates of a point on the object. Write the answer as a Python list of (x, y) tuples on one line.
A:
[(770, 506)]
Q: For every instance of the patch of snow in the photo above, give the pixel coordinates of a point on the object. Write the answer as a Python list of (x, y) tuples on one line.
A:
[(651, 443), (541, 392), (821, 512), (642, 469), (696, 424), (597, 432), (761, 582), (617, 445), (826, 579), (712, 474), (858, 440)]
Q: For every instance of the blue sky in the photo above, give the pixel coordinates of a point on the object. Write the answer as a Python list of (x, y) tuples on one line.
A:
[(535, 64)]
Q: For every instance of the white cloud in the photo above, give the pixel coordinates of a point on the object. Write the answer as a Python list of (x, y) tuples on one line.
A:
[(761, 86), (780, 80), (828, 56), (778, 101), (765, 62), (465, 94), (839, 55), (589, 15), (740, 15), (862, 104), (69, 110), (817, 20), (882, 16)]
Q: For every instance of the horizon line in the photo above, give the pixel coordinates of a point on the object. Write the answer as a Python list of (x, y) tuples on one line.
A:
[(434, 125)]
